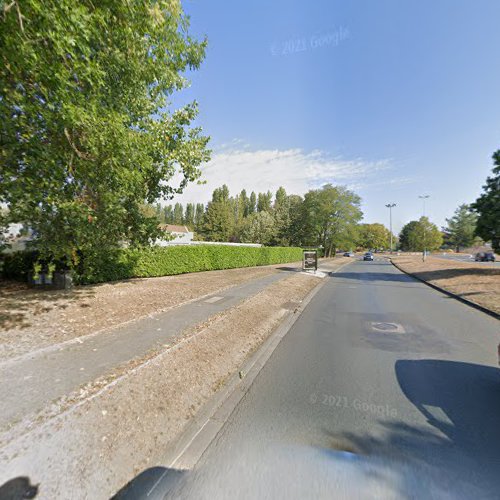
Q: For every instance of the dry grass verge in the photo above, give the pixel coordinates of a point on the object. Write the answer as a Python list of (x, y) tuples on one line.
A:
[(30, 320), (478, 283), (94, 448)]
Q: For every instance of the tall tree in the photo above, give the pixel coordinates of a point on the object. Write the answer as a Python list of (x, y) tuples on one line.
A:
[(218, 221), (461, 227), (295, 232), (160, 213), (169, 214), (87, 134), (252, 203), (404, 235), (245, 202), (198, 216), (221, 194), (258, 228), (419, 235), (488, 207), (330, 216), (264, 201), (178, 213), (281, 213), (373, 236), (189, 215)]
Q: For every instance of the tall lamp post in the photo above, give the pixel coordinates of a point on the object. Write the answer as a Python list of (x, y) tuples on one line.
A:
[(423, 198), (390, 206)]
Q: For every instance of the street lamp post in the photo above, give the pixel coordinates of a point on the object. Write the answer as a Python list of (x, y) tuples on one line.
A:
[(423, 198), (390, 206)]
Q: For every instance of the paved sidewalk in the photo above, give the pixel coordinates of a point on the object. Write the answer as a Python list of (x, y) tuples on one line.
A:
[(29, 384)]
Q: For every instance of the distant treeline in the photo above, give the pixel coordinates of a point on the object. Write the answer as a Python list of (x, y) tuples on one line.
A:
[(327, 217)]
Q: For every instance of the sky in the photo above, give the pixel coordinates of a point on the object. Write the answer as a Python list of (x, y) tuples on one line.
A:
[(394, 99)]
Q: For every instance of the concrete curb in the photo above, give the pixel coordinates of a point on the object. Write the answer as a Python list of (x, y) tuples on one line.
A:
[(447, 292), (188, 448)]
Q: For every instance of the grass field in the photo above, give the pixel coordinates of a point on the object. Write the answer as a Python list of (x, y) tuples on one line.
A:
[(479, 283)]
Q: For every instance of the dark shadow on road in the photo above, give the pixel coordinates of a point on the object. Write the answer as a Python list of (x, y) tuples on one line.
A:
[(150, 484), (19, 488), (461, 401), (467, 395), (289, 269)]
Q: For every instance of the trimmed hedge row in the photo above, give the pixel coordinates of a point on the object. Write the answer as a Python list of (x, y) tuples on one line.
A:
[(164, 261)]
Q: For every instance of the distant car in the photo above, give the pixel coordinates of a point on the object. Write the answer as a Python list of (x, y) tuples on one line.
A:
[(368, 256), (348, 254), (485, 257)]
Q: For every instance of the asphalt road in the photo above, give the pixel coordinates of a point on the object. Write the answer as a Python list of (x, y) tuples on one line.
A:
[(465, 258), (383, 388)]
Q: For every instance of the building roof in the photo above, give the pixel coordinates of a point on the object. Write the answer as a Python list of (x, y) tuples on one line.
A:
[(172, 228)]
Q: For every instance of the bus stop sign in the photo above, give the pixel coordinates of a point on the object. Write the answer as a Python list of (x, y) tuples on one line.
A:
[(310, 260)]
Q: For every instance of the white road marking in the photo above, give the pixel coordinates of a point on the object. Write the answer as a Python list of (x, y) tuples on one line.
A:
[(211, 300)]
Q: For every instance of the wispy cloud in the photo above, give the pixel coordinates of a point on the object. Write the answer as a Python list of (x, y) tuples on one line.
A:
[(382, 184), (241, 167)]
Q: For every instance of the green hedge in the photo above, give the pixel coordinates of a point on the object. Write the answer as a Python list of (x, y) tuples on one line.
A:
[(165, 261), (17, 265)]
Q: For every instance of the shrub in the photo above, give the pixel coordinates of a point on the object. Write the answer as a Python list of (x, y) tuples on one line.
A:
[(17, 265), (161, 261)]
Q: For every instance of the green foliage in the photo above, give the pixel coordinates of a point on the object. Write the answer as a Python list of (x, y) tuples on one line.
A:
[(461, 227), (258, 228), (329, 217), (169, 214), (294, 231), (86, 133), (488, 207), (221, 194), (198, 217), (178, 214), (373, 236), (264, 202), (245, 202), (282, 217), (419, 235), (159, 261), (17, 265), (404, 235), (218, 221), (252, 203)]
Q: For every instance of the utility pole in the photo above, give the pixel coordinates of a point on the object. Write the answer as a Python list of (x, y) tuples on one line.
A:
[(423, 198), (390, 206)]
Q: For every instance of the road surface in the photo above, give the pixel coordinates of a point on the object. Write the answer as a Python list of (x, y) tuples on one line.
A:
[(465, 258), (383, 388)]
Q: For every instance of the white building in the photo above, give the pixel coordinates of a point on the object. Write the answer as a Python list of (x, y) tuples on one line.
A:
[(181, 235)]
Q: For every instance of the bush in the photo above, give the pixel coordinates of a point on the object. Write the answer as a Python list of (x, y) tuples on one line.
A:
[(17, 265), (166, 261)]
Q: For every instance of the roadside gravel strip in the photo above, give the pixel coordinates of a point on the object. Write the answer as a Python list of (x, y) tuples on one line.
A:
[(124, 422), (472, 283)]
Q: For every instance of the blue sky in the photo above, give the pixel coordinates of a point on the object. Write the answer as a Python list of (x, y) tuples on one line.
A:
[(392, 98)]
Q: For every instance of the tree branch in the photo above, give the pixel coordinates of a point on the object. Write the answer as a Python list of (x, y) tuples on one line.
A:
[(80, 154)]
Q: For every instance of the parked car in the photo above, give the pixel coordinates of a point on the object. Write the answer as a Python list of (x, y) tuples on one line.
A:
[(368, 256), (485, 257)]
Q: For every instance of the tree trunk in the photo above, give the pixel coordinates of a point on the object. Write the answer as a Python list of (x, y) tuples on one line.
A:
[(330, 249)]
